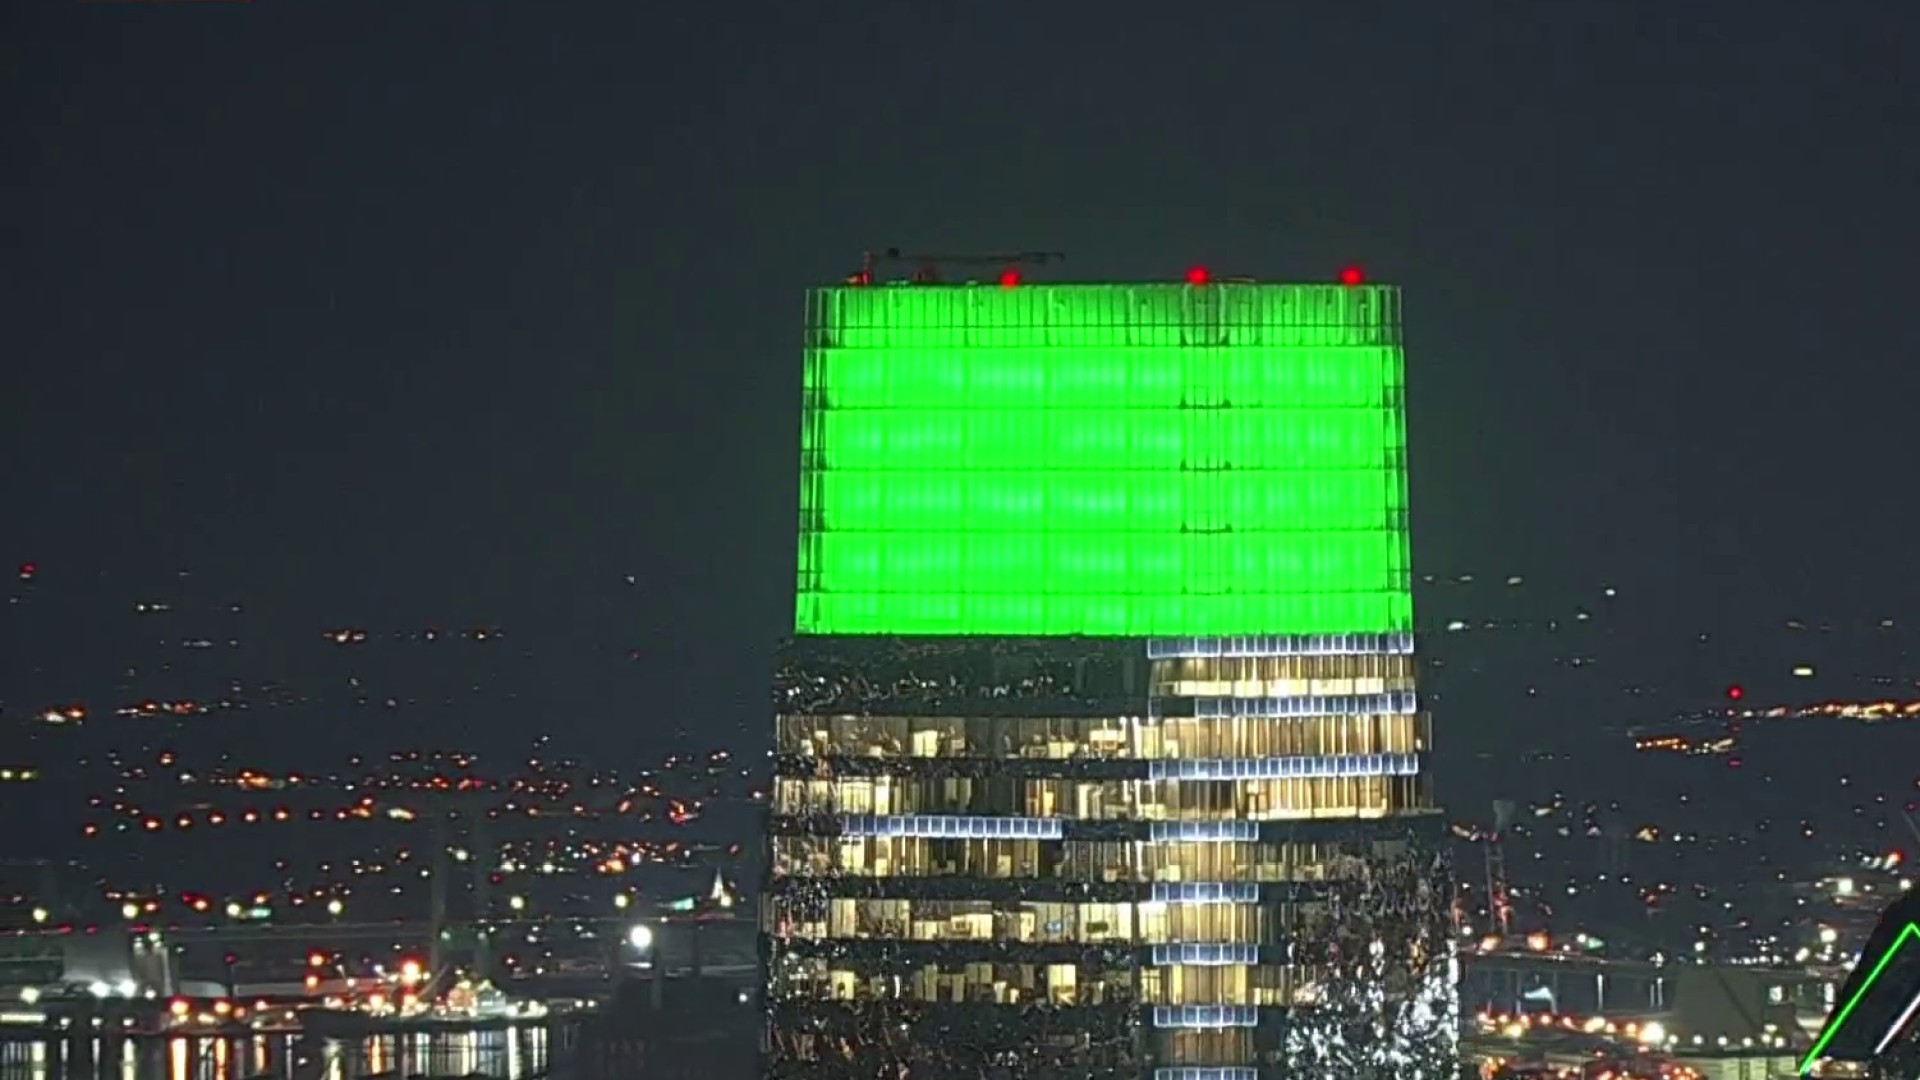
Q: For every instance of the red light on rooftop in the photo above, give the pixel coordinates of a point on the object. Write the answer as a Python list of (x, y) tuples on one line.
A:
[(1735, 692), (1353, 275), (27, 570), (1198, 276), (1009, 278)]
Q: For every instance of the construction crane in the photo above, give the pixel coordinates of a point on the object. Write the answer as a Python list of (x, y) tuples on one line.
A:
[(927, 267)]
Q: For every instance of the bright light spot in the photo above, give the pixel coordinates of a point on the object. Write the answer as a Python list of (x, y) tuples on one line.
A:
[(130, 910), (1653, 1034), (99, 989), (641, 938), (39, 914), (1828, 935), (335, 907), (1844, 886)]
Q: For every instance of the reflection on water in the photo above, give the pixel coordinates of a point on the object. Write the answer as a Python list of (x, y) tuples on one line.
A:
[(513, 1054)]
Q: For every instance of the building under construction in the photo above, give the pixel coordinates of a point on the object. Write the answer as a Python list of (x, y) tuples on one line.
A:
[(1099, 751)]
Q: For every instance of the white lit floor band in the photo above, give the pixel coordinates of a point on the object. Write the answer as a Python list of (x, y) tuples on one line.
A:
[(1206, 892), (1281, 645), (1198, 954), (1208, 1072), (1220, 708), (1299, 767), (971, 827), (953, 827), (1206, 1016), (1203, 832)]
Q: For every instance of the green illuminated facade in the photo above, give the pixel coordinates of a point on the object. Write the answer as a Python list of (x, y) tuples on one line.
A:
[(1125, 460), (1098, 749)]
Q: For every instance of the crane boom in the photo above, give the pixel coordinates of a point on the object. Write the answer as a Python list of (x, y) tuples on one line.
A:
[(927, 267)]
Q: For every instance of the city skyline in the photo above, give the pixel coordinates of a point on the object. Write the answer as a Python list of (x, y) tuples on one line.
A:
[(401, 431), (1656, 262)]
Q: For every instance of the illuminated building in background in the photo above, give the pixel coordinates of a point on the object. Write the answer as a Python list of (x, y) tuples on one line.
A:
[(1098, 746)]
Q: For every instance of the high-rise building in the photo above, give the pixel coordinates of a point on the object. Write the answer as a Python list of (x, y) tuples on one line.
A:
[(1098, 748)]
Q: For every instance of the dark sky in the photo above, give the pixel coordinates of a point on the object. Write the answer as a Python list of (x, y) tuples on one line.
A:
[(423, 308)]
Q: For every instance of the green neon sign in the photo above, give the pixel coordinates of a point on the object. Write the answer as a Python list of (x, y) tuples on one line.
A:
[(1911, 933), (1109, 460)]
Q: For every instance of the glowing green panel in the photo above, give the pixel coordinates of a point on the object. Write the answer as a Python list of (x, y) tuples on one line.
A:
[(1129, 460)]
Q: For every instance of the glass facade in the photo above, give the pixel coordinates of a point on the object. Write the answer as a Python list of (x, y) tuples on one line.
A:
[(1099, 750), (1103, 460)]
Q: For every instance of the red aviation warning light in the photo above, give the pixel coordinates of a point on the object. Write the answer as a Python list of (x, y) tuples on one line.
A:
[(1735, 692), (1198, 276), (1009, 278), (1353, 275)]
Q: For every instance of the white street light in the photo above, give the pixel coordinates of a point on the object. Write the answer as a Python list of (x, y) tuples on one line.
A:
[(641, 938)]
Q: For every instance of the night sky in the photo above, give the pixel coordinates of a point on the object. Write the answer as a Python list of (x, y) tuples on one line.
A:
[(379, 313)]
